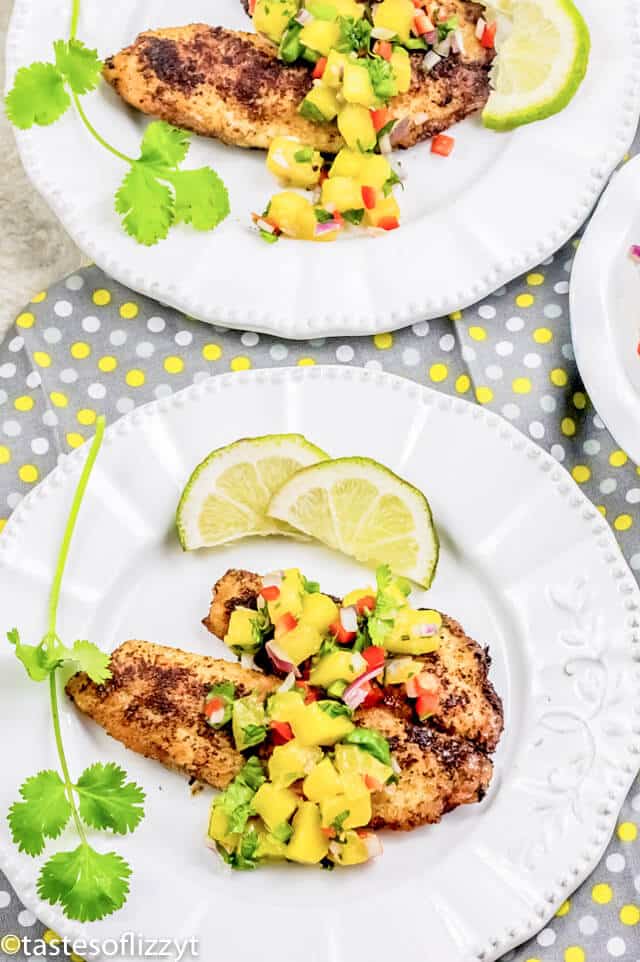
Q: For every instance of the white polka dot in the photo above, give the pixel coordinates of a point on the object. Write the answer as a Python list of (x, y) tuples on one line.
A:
[(598, 422), (344, 353), (557, 452), (548, 403), (635, 801), (504, 348), (5, 899), (447, 342), (90, 324), (468, 353), (124, 405), (156, 325), (633, 495), (118, 338), (68, 375), (16, 344), (7, 370), (26, 919), (201, 376), (74, 283), (511, 411), (548, 261), (567, 266), (97, 391), (487, 312), (636, 883), (536, 430), (145, 349), (500, 292), (3, 397), (183, 338), (562, 287), (278, 352), (515, 324), (567, 352), (591, 446), (317, 341), (494, 372), (163, 390), (52, 335), (421, 329), (588, 925), (616, 947), (39, 445), (546, 938), (33, 379), (50, 418), (410, 357), (13, 500), (12, 429), (219, 329), (532, 360), (249, 339), (373, 366), (62, 309), (552, 311), (616, 862)]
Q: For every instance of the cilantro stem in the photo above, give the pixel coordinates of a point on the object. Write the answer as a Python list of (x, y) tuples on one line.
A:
[(75, 16), (68, 784), (94, 133)]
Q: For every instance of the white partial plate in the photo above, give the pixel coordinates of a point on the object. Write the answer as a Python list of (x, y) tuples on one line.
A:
[(529, 567), (498, 206), (605, 309)]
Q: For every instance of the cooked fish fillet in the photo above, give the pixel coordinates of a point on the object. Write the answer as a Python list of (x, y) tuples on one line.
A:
[(469, 706), (230, 85), (154, 702)]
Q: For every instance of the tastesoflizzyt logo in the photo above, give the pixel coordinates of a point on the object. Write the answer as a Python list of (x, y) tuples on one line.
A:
[(129, 946)]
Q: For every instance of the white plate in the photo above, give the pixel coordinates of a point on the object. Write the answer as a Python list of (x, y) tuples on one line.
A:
[(498, 206), (605, 309), (528, 566)]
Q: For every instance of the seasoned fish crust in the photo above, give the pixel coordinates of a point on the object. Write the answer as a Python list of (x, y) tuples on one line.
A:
[(154, 702), (235, 589), (230, 85)]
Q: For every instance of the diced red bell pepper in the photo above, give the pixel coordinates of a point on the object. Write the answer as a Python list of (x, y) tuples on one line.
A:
[(488, 38), (338, 218), (374, 656), (270, 593), (366, 604), (442, 144), (382, 48), (374, 696), (422, 24), (310, 693), (319, 68), (369, 197), (329, 831), (252, 7), (388, 223), (284, 624), (213, 705), (372, 783), (281, 732), (380, 118), (324, 173), (427, 704), (340, 634)]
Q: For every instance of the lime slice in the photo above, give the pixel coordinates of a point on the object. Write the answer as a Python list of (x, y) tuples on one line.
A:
[(227, 495), (361, 508), (540, 63)]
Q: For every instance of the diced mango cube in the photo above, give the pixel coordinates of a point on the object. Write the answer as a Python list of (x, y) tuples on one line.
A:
[(396, 15), (322, 782), (352, 851), (288, 763), (385, 207), (342, 193), (319, 611), (401, 63), (320, 35), (308, 843), (356, 126), (337, 665), (294, 163), (304, 640), (334, 69), (271, 17), (312, 725), (358, 806), (293, 215), (320, 105), (375, 170), (274, 804), (356, 86)]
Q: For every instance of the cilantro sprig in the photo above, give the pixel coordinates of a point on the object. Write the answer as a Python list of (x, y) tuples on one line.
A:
[(88, 884), (156, 193)]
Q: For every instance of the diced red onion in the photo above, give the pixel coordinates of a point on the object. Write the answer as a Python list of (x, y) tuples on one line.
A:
[(280, 659), (288, 683), (335, 848), (216, 717), (261, 603), (430, 37), (355, 693), (444, 47), (634, 252), (373, 843), (480, 27), (385, 144), (265, 225), (303, 16), (358, 663), (349, 618), (327, 227), (425, 630), (399, 131), (395, 764), (247, 661), (457, 43), (383, 33), (273, 579)]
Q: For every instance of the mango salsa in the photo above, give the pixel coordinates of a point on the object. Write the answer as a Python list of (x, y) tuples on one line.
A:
[(356, 126), (308, 843), (293, 163), (320, 36), (271, 17), (396, 15)]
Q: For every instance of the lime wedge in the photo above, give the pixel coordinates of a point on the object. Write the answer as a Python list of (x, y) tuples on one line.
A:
[(542, 56), (227, 495), (361, 508)]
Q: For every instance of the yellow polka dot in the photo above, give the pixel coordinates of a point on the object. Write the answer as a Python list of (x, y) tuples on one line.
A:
[(28, 473), (173, 365), (542, 335), (306, 362), (574, 954), (212, 352), (23, 403), (580, 400), (602, 893), (58, 399), (478, 333), (525, 300), (80, 350), (558, 377), (107, 363), (74, 440), (463, 383), (568, 427), (630, 915), (623, 522), (5, 454), (240, 363), (42, 359), (455, 315), (581, 473), (617, 459), (535, 280), (25, 320), (3, 522), (438, 373), (521, 385), (135, 378), (603, 511), (86, 416), (129, 310), (532, 960), (101, 297), (39, 297), (628, 832), (74, 957), (484, 395), (564, 909), (383, 341), (51, 937)]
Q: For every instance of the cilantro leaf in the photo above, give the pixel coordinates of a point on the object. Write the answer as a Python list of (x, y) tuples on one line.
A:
[(43, 814), (164, 144), (370, 741), (390, 183), (447, 27), (80, 66), (382, 78), (311, 587), (34, 657), (90, 659), (38, 96), (88, 884), (390, 598), (245, 856), (353, 216), (107, 800), (268, 237), (235, 801), (339, 820), (334, 709), (202, 199), (146, 205), (354, 34)]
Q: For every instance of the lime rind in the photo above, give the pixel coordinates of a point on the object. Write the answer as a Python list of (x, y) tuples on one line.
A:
[(498, 116)]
